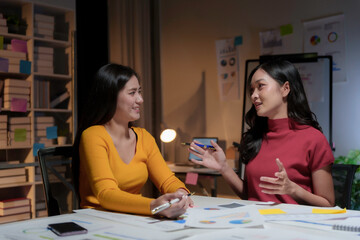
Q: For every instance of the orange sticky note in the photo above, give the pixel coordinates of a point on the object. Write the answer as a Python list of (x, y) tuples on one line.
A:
[(328, 211), (191, 178), (271, 211)]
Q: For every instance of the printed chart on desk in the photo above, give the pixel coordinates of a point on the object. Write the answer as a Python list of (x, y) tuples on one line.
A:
[(224, 216)]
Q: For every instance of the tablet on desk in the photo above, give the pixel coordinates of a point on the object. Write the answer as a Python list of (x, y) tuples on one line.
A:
[(202, 140)]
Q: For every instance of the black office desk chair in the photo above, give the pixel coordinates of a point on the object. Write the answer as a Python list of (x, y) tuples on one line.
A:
[(60, 194), (343, 177)]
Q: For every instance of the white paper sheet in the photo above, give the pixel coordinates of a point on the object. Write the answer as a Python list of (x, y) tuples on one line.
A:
[(258, 234), (144, 222)]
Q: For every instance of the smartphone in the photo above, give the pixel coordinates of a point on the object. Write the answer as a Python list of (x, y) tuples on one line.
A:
[(202, 140), (67, 229)]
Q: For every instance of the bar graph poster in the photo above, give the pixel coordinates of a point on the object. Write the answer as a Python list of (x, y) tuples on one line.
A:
[(227, 54), (326, 36)]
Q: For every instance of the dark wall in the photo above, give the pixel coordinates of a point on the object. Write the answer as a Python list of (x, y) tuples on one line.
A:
[(92, 45)]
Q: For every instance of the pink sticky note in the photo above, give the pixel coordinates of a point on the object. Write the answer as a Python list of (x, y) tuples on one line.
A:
[(191, 178), (18, 45), (18, 105)]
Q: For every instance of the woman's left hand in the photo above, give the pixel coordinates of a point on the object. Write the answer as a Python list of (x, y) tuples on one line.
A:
[(279, 185)]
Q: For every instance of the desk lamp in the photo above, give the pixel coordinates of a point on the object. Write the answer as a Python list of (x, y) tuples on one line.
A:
[(166, 136)]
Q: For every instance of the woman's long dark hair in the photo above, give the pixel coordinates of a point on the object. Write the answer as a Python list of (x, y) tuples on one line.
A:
[(298, 107), (101, 104)]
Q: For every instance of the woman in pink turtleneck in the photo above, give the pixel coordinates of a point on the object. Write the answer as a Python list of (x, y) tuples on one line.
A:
[(287, 157)]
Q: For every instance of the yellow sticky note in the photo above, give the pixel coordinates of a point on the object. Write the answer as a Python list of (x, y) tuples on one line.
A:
[(328, 211), (271, 211)]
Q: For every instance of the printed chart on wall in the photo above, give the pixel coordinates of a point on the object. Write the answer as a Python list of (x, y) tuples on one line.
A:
[(227, 54), (276, 41), (326, 36)]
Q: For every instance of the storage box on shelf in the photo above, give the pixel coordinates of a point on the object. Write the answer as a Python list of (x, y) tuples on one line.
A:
[(36, 97)]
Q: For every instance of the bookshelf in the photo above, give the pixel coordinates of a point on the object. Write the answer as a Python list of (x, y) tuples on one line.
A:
[(47, 111)]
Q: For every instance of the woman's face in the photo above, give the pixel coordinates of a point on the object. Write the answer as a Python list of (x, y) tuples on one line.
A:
[(129, 100), (268, 97)]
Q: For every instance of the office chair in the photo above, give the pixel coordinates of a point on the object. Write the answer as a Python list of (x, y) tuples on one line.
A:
[(60, 194), (343, 177)]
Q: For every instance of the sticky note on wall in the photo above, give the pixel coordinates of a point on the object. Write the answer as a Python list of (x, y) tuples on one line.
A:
[(18, 45), (191, 178), (18, 105), (20, 134), (286, 29), (36, 147), (25, 67), (51, 132)]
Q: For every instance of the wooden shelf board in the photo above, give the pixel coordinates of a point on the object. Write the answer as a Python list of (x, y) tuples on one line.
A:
[(52, 76), (53, 42), (52, 110), (4, 75)]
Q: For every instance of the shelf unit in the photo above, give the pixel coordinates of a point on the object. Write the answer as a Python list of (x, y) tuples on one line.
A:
[(54, 84)]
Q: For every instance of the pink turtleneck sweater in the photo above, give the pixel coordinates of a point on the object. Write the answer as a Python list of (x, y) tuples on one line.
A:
[(302, 151)]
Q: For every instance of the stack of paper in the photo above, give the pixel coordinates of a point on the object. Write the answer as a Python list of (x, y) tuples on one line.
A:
[(15, 91), (43, 60), (44, 26), (3, 130)]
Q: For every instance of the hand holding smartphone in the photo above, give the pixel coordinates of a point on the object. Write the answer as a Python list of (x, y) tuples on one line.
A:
[(67, 229)]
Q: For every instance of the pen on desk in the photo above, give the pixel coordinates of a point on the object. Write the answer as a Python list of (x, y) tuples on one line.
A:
[(168, 204), (201, 145)]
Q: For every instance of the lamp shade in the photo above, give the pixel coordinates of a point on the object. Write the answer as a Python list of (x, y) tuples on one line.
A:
[(168, 135)]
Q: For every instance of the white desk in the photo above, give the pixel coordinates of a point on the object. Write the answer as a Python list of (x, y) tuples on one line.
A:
[(105, 229)]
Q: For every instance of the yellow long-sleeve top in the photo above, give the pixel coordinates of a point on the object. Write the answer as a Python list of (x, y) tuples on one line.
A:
[(105, 181)]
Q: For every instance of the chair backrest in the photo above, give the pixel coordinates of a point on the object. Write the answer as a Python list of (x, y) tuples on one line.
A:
[(60, 193), (343, 177)]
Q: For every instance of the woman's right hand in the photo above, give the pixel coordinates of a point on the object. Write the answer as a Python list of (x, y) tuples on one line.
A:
[(176, 209), (214, 159)]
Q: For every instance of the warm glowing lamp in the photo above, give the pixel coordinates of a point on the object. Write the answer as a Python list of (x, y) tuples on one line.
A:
[(166, 136)]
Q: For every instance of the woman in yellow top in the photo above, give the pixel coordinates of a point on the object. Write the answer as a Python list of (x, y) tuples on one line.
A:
[(115, 160)]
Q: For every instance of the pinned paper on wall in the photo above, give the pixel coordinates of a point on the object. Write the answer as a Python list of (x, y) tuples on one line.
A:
[(227, 54), (191, 178), (326, 36), (18, 105), (20, 134), (36, 147), (18, 45), (276, 41), (51, 132)]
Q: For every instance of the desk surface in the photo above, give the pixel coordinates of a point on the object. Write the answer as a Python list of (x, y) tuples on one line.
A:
[(123, 226), (185, 169)]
